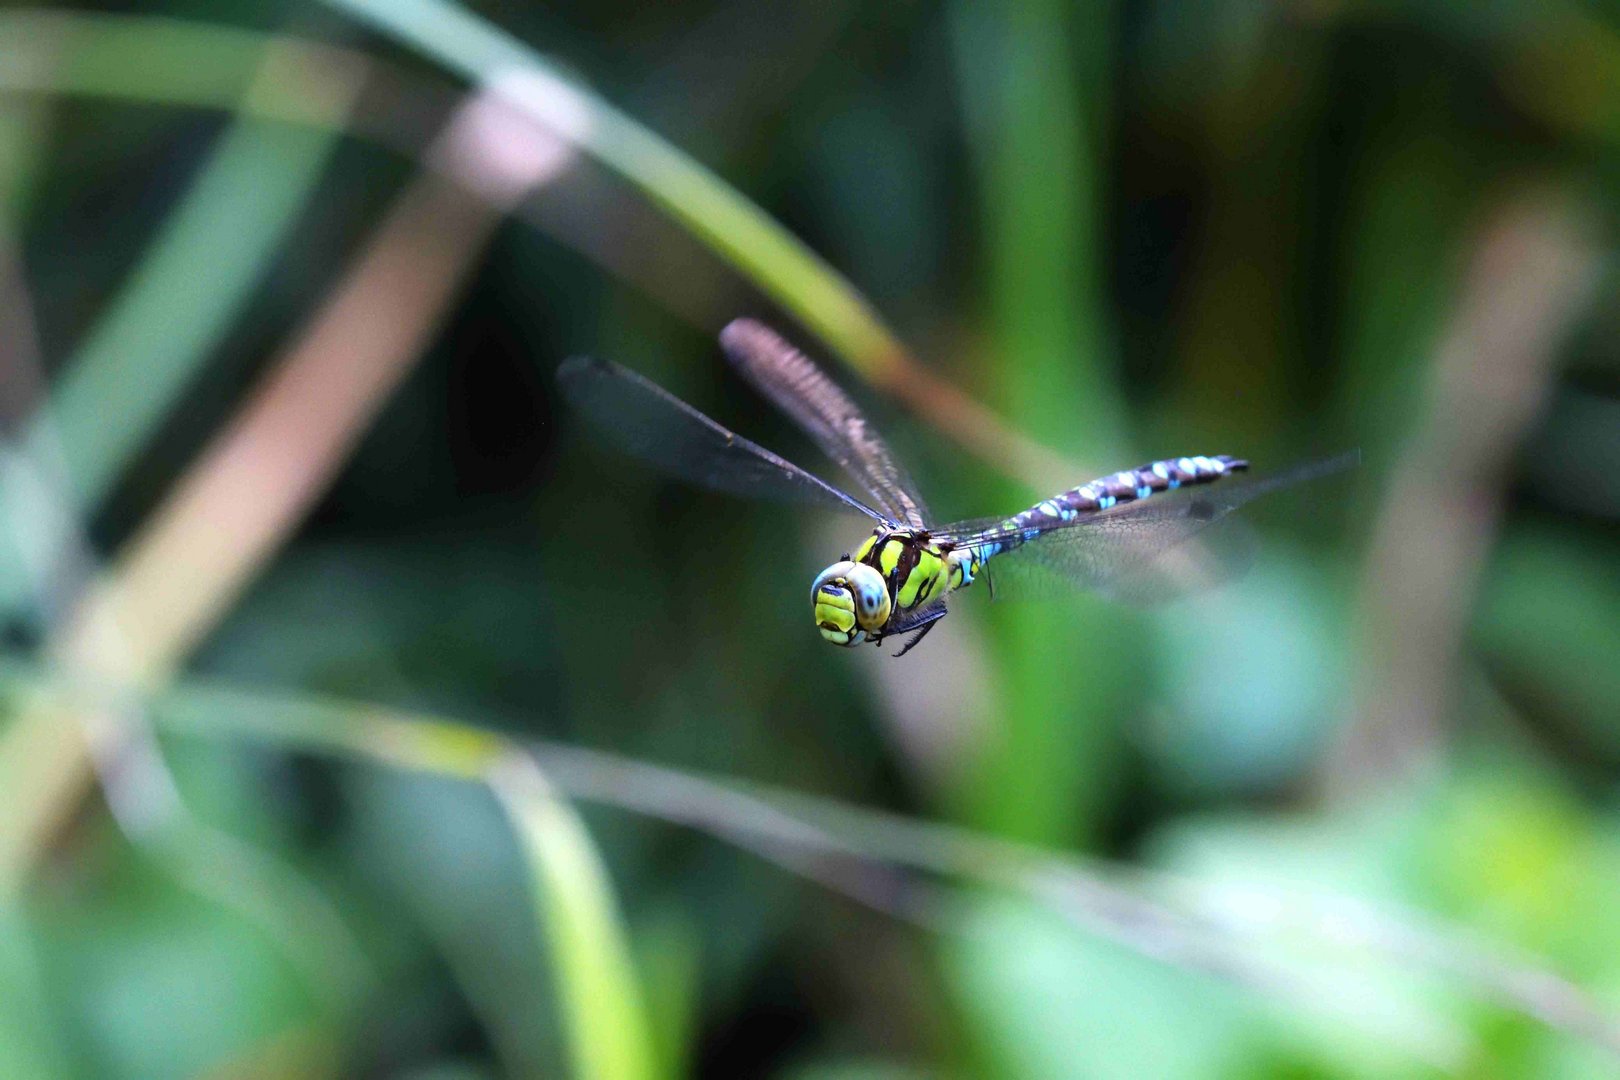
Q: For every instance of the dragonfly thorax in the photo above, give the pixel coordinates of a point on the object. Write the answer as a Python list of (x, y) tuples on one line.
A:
[(892, 574)]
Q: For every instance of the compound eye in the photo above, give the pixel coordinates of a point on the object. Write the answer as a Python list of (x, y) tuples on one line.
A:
[(871, 596)]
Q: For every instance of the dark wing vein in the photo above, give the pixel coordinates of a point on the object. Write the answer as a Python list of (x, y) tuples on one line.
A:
[(802, 390), (643, 419)]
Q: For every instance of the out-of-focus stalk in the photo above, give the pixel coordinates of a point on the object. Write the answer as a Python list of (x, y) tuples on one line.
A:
[(182, 297), (252, 486), (1033, 79), (762, 250), (1532, 271), (258, 479), (1212, 926)]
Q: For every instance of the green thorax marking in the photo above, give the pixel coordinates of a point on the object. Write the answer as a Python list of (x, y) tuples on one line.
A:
[(914, 567)]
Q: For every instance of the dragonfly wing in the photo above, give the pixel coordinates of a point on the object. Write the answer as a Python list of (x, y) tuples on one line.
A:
[(1146, 565), (915, 618), (802, 390), (647, 421), (918, 623), (1137, 552)]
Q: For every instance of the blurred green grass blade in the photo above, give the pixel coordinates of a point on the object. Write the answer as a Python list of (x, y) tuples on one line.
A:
[(209, 66), (1402, 237), (602, 1001), (576, 911), (170, 316), (171, 62), (1032, 78), (1189, 921), (57, 53), (127, 56), (182, 297), (22, 131), (669, 958), (1033, 81), (739, 231)]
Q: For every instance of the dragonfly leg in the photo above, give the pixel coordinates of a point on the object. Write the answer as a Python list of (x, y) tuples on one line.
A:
[(919, 632)]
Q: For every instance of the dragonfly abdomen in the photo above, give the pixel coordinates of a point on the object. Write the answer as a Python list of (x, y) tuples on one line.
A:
[(1129, 485), (1139, 483)]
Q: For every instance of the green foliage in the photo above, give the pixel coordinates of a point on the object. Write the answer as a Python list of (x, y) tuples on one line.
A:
[(1139, 229)]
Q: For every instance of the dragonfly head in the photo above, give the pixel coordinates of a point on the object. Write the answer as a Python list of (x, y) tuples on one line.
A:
[(851, 601)]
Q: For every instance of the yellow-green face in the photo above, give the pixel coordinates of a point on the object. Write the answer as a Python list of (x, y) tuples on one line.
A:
[(850, 602)]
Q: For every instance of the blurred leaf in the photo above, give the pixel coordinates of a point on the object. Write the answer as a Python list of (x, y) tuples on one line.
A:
[(1481, 845), (1051, 1002), (1513, 853), (1252, 674), (1402, 238), (462, 880), (195, 63), (167, 322), (596, 980), (1033, 78), (449, 1071), (187, 290), (1549, 619), (157, 983)]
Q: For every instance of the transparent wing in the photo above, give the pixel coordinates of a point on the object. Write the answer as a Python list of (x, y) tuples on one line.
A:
[(1138, 551), (802, 390), (917, 623), (643, 419), (1144, 565), (915, 618)]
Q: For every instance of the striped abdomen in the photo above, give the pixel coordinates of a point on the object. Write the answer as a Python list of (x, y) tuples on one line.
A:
[(1121, 487)]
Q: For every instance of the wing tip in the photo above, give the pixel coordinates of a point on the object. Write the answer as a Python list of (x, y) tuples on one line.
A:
[(573, 369), (746, 334), (1337, 463), (581, 378)]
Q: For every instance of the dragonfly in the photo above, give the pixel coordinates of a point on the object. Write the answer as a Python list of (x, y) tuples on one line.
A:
[(1112, 535)]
